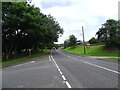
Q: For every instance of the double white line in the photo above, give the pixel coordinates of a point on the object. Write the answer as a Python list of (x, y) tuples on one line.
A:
[(63, 76)]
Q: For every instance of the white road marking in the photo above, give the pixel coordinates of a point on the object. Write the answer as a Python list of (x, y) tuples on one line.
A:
[(63, 77), (97, 66), (32, 61), (16, 65), (57, 66), (103, 67), (52, 58), (49, 58), (24, 64), (20, 86), (65, 81), (20, 65), (71, 57), (55, 63), (58, 69), (61, 73)]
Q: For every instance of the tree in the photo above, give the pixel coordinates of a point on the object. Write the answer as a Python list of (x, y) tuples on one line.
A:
[(66, 43), (93, 40), (72, 41), (109, 33), (24, 27)]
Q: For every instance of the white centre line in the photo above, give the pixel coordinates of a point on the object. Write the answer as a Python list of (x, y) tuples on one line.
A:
[(49, 58), (69, 86), (66, 82), (61, 73), (57, 67), (63, 77), (97, 66)]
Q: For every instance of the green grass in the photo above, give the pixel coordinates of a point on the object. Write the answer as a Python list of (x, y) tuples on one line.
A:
[(98, 50), (23, 58)]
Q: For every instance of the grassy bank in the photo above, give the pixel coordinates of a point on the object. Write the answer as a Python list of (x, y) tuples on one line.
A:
[(98, 50), (24, 58)]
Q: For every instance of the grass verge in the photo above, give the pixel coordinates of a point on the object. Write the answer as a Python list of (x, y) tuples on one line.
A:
[(24, 58), (98, 50)]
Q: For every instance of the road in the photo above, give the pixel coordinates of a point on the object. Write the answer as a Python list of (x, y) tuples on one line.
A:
[(61, 70)]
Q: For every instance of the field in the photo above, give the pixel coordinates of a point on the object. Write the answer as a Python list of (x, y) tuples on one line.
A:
[(98, 50)]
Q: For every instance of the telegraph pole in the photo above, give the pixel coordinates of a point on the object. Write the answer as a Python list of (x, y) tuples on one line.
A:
[(83, 40)]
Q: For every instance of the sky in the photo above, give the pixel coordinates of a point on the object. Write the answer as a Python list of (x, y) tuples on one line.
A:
[(73, 14)]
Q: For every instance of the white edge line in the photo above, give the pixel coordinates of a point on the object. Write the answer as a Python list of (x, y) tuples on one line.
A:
[(23, 64), (32, 61), (99, 66), (103, 67), (20, 65), (16, 65)]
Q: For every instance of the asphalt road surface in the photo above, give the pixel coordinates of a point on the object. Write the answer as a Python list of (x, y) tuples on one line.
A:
[(61, 70)]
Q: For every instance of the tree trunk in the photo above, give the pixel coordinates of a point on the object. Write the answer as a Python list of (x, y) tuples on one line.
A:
[(15, 52)]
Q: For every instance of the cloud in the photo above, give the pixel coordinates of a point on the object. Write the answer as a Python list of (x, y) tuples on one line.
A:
[(73, 14), (52, 4)]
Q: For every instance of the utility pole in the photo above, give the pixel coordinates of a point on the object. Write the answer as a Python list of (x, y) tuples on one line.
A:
[(83, 40)]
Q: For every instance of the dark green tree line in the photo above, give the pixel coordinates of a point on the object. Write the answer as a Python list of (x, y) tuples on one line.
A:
[(24, 27), (109, 33)]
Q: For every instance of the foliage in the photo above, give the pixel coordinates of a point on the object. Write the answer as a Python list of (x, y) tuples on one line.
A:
[(71, 42), (66, 43), (24, 27), (109, 33), (93, 40), (98, 50)]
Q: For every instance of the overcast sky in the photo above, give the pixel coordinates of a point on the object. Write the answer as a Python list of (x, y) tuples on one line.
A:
[(73, 14)]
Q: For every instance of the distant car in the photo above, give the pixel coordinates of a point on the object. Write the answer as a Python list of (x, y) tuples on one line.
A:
[(88, 44), (54, 48)]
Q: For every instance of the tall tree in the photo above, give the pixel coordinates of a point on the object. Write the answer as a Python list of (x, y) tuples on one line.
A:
[(109, 33), (72, 41), (25, 27)]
